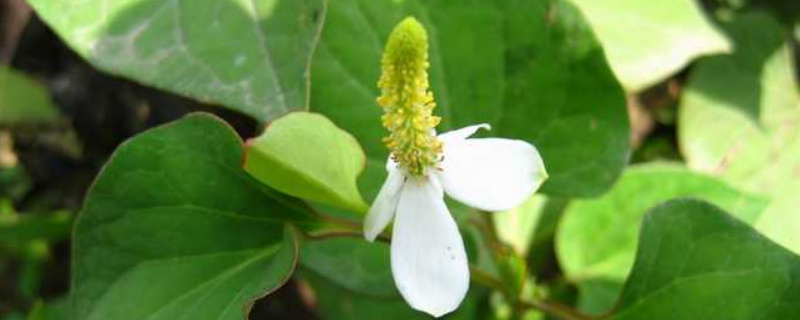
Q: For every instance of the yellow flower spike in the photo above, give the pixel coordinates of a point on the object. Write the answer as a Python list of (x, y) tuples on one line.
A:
[(406, 99)]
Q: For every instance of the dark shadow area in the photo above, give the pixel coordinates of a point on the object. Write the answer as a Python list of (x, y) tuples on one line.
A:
[(285, 304)]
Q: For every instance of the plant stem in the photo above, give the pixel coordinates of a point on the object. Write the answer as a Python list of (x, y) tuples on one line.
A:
[(342, 233), (485, 279), (352, 229), (556, 310)]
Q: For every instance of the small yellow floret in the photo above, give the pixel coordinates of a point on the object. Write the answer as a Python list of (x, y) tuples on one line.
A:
[(406, 99)]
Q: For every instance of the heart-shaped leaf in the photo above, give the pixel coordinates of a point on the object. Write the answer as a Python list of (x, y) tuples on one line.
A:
[(596, 240), (250, 56), (696, 262), (174, 228), (650, 40), (532, 69), (305, 155)]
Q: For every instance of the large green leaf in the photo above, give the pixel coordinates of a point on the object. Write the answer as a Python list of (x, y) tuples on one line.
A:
[(696, 262), (532, 69), (740, 114), (251, 56), (740, 119), (597, 238), (174, 228), (305, 155), (650, 40), (23, 100)]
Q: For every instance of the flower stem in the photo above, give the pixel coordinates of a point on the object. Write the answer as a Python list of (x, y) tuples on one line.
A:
[(481, 277), (555, 309), (339, 228), (341, 233)]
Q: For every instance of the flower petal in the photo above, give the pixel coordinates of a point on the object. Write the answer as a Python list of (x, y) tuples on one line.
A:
[(491, 174), (391, 164), (383, 208), (463, 133), (429, 263)]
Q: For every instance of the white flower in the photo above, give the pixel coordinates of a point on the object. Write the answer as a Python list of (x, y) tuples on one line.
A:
[(429, 263)]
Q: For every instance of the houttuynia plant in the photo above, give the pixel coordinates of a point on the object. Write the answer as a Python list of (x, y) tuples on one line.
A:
[(409, 159)]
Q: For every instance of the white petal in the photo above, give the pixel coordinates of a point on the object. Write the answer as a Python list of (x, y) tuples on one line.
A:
[(385, 204), (491, 174), (463, 133), (391, 165), (429, 263)]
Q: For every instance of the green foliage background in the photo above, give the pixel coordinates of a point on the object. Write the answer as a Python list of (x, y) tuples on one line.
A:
[(192, 221)]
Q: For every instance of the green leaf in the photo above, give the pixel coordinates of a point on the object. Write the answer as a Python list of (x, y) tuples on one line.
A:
[(597, 238), (305, 155), (740, 120), (250, 56), (650, 40), (781, 219), (530, 230), (696, 262), (516, 226), (532, 69), (740, 114), (23, 100), (173, 227), (336, 303), (353, 264)]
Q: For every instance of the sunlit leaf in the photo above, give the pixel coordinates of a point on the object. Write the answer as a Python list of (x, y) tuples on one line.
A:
[(305, 155), (250, 56), (649, 40), (740, 114), (740, 120)]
